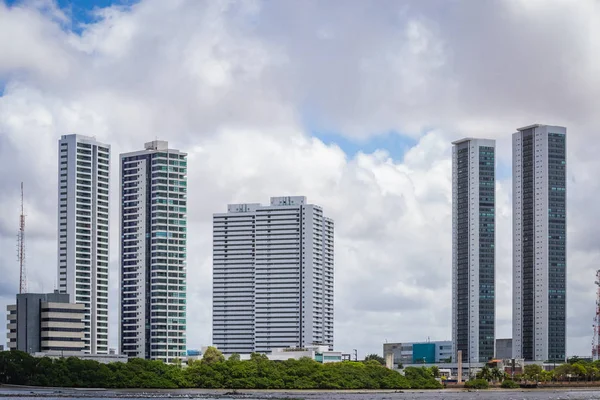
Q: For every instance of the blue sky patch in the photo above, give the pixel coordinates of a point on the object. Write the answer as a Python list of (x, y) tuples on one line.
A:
[(80, 11), (394, 143)]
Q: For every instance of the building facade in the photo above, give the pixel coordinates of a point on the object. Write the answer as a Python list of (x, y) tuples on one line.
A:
[(45, 323), (273, 273), (153, 253), (406, 353), (320, 354), (503, 349), (473, 252), (83, 227), (539, 243)]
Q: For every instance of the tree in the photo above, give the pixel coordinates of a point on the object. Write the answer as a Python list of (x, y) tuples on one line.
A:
[(497, 374), (580, 370), (375, 357), (212, 355), (435, 370), (532, 372), (485, 374)]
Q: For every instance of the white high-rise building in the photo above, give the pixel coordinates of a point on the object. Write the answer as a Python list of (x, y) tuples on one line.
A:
[(473, 253), (83, 179), (272, 276), (539, 243), (153, 253)]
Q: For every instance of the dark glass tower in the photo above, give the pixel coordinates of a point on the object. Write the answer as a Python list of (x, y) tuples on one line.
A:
[(539, 243), (473, 252)]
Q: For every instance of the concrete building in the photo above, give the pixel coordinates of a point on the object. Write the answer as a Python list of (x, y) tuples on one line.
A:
[(45, 322), (320, 354), (153, 252), (503, 349), (272, 277), (83, 179), (473, 253), (539, 243), (407, 353), (101, 358)]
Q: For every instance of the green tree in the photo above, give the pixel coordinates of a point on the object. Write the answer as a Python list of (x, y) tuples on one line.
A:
[(485, 373), (212, 355), (531, 372), (497, 374), (375, 357), (435, 370)]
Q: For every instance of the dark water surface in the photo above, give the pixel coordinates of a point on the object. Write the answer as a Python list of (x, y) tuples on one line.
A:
[(55, 394)]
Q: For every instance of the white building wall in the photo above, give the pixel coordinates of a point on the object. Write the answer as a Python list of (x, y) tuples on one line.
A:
[(474, 250), (288, 274), (234, 249), (83, 232), (541, 243)]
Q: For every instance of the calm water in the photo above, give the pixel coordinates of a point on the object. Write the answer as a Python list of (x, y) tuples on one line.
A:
[(221, 395)]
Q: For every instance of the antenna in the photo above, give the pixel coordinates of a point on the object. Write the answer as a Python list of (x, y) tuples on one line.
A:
[(21, 248)]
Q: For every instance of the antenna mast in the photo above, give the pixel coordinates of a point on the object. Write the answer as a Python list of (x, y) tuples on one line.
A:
[(21, 248), (596, 338)]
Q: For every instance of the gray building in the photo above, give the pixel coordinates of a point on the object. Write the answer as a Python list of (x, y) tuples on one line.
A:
[(83, 227), (272, 276), (503, 349), (45, 322), (153, 253), (539, 243), (473, 252), (431, 352)]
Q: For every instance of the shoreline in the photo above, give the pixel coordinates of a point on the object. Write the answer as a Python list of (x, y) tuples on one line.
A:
[(7, 391)]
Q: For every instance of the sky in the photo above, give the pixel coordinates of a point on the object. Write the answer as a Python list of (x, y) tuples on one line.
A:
[(353, 104)]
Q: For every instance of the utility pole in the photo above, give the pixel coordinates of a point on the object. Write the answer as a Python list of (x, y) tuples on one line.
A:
[(596, 337)]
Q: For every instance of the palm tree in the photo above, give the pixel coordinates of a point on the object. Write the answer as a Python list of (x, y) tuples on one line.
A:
[(497, 374)]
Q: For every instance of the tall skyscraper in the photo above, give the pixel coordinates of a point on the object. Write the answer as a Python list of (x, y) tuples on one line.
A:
[(539, 243), (272, 276), (473, 253), (83, 179), (153, 252)]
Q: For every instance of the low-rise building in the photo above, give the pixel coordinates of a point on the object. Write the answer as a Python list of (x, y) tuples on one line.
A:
[(318, 353), (44, 322), (101, 358), (430, 352)]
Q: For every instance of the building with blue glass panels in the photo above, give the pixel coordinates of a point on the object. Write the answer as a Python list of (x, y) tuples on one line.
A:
[(153, 253)]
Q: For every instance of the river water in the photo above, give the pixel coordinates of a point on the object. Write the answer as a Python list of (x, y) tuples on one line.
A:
[(539, 394)]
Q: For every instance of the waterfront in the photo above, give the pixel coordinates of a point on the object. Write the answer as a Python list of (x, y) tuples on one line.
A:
[(55, 394)]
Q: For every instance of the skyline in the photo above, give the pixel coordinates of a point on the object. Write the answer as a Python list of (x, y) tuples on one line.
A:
[(251, 122)]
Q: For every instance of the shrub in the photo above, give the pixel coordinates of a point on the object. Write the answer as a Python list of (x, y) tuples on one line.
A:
[(509, 384), (477, 384)]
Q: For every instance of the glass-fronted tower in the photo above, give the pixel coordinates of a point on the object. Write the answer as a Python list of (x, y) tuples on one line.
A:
[(473, 252), (272, 276), (153, 253), (539, 243), (83, 180)]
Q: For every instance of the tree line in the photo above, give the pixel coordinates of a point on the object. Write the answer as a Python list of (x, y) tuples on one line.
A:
[(212, 371), (575, 370)]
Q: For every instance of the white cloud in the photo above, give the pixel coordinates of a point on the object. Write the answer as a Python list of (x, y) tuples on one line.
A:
[(239, 85)]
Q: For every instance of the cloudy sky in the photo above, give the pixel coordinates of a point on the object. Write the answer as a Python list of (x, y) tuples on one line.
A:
[(350, 103)]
